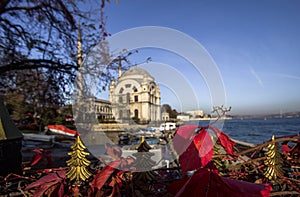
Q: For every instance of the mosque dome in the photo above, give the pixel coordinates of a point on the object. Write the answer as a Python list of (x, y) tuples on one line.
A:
[(137, 73)]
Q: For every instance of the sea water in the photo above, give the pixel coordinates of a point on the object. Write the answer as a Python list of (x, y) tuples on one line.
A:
[(257, 131)]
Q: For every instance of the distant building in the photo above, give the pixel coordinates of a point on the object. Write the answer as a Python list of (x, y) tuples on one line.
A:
[(91, 108), (194, 114), (135, 96), (191, 115), (165, 116), (183, 117), (103, 110)]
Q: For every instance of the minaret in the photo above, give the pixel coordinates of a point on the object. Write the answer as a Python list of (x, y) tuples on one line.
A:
[(77, 111), (79, 47), (120, 68), (112, 91), (79, 62)]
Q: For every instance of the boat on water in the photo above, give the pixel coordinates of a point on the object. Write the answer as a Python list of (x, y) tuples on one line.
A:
[(61, 130)]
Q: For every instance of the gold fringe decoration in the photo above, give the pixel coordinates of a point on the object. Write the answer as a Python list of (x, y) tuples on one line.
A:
[(273, 161), (78, 163)]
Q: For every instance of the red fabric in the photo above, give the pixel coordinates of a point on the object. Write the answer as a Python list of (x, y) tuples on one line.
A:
[(225, 141), (198, 154), (207, 183), (183, 138), (62, 128), (103, 175), (285, 148), (204, 145), (41, 153), (189, 160), (197, 151), (61, 189), (44, 183)]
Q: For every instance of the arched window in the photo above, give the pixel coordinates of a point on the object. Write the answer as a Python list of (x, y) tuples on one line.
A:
[(121, 99), (134, 89), (120, 114), (136, 113), (128, 98)]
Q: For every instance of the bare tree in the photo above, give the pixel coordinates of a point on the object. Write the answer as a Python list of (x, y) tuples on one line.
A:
[(38, 45)]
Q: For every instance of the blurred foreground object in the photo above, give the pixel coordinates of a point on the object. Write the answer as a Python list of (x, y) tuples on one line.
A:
[(10, 144)]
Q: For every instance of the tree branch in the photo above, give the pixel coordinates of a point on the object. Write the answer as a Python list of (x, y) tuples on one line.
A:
[(38, 63), (3, 4)]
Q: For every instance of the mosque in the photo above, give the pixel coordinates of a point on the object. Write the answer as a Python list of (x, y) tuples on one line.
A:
[(134, 96)]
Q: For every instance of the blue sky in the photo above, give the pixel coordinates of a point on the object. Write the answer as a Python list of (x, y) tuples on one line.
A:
[(255, 45)]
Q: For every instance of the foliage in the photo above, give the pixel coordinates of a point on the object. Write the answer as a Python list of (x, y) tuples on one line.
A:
[(15, 105), (172, 112)]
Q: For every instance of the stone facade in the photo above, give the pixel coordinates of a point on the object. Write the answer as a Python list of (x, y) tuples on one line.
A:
[(135, 96), (103, 110), (90, 109)]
